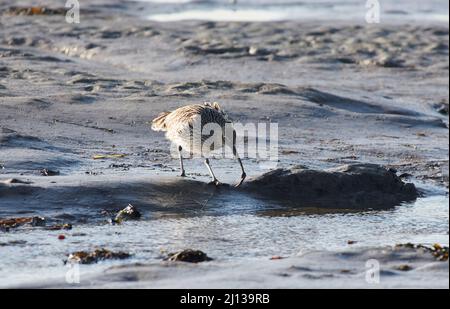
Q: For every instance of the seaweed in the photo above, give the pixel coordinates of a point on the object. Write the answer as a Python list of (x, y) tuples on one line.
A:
[(83, 257), (438, 251)]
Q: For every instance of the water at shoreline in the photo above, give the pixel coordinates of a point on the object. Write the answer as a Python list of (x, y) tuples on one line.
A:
[(36, 253), (262, 11)]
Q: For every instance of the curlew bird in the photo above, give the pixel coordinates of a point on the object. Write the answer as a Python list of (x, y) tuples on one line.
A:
[(179, 127)]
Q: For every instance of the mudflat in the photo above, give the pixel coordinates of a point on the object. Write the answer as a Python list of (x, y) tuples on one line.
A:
[(75, 140)]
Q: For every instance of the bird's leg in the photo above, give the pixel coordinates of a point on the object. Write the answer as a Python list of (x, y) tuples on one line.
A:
[(215, 181), (235, 154), (183, 174), (243, 175)]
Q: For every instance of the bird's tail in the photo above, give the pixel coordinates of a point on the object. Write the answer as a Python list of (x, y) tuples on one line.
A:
[(159, 123)]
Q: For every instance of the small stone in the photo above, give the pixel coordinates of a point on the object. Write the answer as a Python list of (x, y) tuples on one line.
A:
[(189, 256), (404, 267), (437, 247), (252, 51), (47, 172), (128, 213), (276, 257)]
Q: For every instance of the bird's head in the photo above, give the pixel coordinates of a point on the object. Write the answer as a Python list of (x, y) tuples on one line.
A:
[(217, 107)]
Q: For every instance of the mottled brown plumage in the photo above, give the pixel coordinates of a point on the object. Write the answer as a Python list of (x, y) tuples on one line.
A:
[(180, 125)]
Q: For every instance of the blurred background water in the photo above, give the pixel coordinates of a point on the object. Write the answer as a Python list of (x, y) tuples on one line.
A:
[(277, 10)]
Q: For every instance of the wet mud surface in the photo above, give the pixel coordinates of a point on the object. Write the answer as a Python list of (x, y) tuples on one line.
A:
[(76, 147)]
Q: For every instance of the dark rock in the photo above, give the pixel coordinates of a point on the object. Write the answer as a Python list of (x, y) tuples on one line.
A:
[(359, 186), (110, 34), (189, 255)]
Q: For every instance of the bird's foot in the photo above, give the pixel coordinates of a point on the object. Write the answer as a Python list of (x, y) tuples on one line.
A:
[(215, 182), (243, 176)]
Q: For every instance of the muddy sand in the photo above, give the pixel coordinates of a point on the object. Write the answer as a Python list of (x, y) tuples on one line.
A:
[(76, 99)]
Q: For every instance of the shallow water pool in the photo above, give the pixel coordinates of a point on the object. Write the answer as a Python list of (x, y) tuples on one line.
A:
[(29, 255)]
